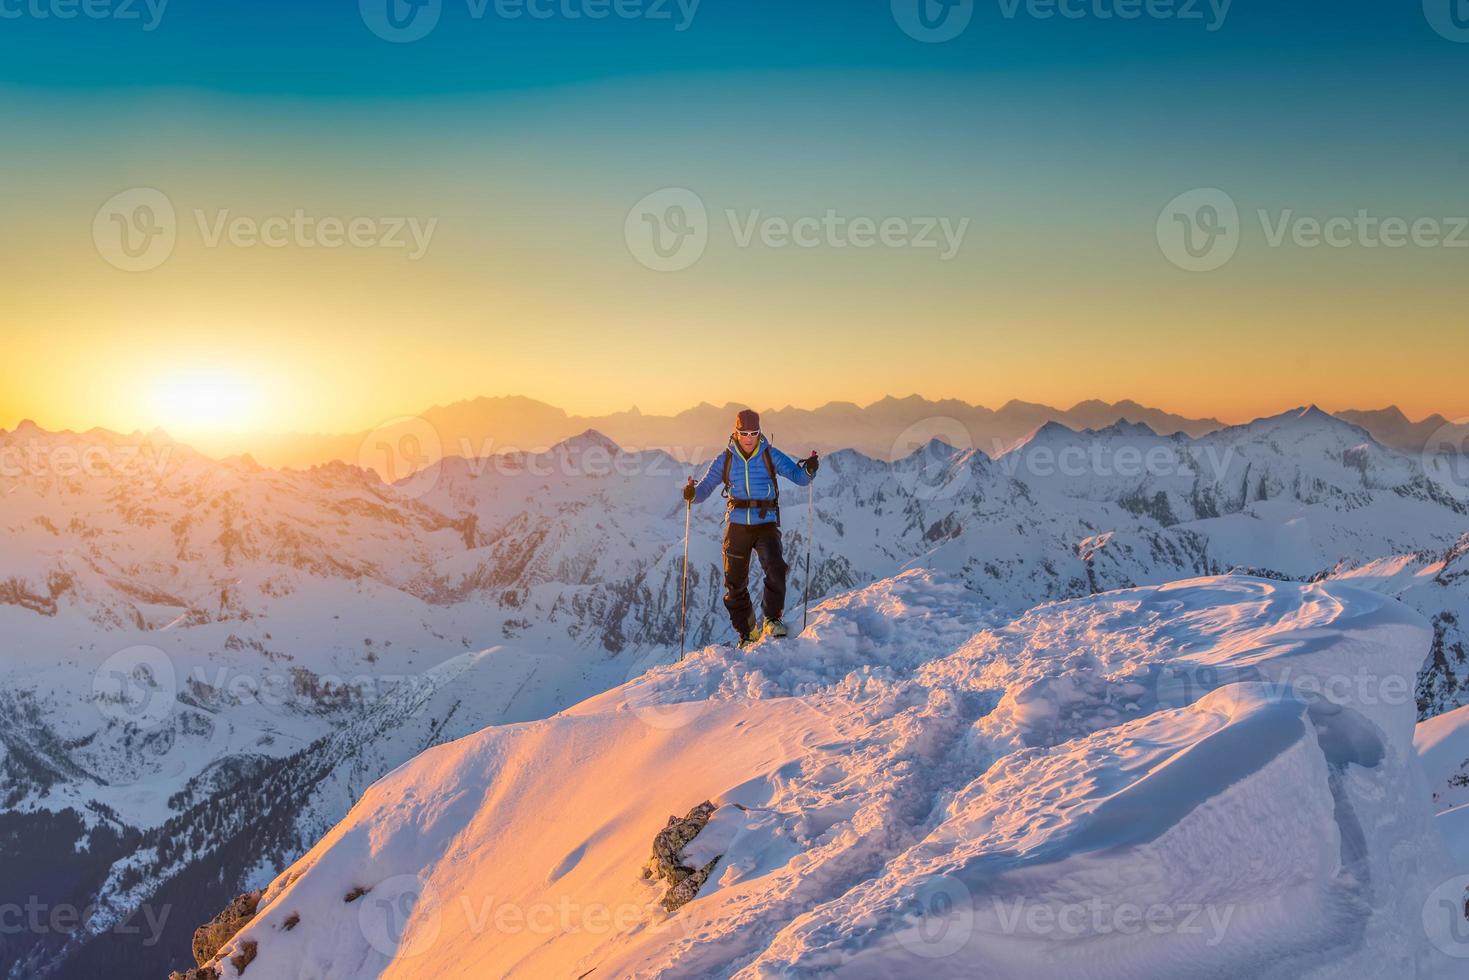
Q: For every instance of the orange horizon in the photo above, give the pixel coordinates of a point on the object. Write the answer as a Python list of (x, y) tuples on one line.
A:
[(234, 436)]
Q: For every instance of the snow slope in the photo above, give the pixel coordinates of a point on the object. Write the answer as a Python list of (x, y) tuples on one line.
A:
[(1436, 583), (1443, 748), (1213, 777), (1443, 745), (289, 627)]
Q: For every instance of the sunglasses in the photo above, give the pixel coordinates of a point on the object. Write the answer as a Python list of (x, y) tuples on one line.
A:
[(747, 434)]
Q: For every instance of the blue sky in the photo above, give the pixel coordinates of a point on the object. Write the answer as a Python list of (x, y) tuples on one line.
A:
[(528, 141), (316, 48)]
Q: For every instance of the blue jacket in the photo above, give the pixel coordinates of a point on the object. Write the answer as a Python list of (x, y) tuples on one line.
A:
[(749, 479)]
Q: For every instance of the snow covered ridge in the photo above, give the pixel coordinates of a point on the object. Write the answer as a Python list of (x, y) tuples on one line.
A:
[(208, 652), (483, 425), (1213, 777), (1443, 747)]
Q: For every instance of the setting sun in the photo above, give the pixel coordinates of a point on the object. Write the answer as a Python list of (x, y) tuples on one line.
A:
[(206, 401)]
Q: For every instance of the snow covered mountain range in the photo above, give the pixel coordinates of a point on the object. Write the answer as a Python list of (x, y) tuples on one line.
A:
[(885, 429), (1214, 777), (207, 661), (882, 429)]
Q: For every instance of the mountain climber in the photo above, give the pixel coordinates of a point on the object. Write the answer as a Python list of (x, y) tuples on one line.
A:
[(747, 469)]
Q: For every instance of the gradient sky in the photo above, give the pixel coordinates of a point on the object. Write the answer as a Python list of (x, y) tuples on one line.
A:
[(529, 140)]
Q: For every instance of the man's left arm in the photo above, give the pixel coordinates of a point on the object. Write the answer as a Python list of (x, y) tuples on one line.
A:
[(790, 469)]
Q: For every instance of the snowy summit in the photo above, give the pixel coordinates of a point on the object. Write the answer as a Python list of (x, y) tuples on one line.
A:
[(1214, 777)]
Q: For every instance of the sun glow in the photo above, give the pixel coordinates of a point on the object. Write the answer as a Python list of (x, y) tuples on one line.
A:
[(206, 402)]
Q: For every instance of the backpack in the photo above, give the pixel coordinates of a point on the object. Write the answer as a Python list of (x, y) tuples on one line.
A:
[(769, 465)]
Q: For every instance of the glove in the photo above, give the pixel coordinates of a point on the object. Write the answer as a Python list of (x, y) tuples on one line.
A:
[(688, 491), (811, 463)]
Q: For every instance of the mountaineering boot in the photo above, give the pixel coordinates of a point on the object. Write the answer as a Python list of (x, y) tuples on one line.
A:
[(750, 634), (775, 627)]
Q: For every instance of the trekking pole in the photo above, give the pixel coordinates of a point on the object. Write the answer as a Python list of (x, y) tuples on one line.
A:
[(683, 611), (810, 533)]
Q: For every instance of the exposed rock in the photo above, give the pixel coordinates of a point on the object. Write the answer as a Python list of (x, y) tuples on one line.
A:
[(683, 893), (666, 864), (245, 956), (354, 894), (196, 973), (211, 937)]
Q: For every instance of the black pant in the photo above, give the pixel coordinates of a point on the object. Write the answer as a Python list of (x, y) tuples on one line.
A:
[(739, 541)]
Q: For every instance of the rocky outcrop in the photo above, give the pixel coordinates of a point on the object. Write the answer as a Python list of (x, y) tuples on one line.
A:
[(18, 592), (211, 937), (666, 864)]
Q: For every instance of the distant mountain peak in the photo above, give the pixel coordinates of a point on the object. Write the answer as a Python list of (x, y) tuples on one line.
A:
[(936, 447), (1055, 428), (1309, 420), (243, 461), (1123, 427), (1047, 432), (588, 439), (1389, 414), (1016, 405)]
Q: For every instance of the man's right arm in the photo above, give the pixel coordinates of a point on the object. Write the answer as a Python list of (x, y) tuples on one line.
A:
[(713, 476)]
